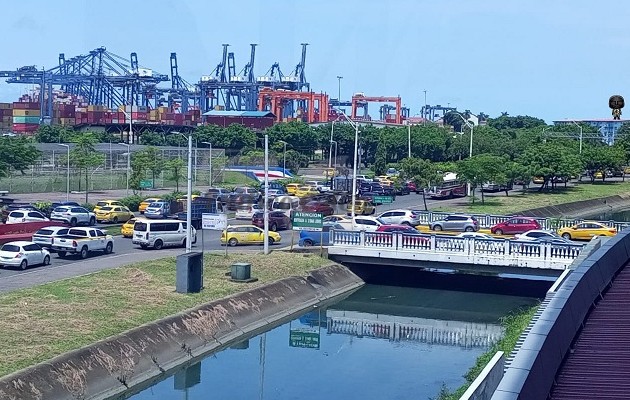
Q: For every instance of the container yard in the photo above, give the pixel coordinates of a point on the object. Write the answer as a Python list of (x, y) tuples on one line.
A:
[(102, 89)]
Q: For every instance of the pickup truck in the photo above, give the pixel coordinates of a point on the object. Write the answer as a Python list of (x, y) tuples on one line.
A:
[(82, 241)]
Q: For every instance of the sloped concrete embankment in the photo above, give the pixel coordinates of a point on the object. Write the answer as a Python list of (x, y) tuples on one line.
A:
[(581, 208), (112, 366)]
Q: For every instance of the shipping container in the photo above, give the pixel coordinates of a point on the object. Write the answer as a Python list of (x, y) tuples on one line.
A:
[(25, 113), (26, 120), (5, 106), (25, 127), (26, 105)]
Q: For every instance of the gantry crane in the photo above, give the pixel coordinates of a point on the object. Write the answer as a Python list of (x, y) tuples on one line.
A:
[(359, 100)]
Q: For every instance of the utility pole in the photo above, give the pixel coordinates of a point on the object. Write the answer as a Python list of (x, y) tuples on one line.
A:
[(266, 210), (339, 78), (426, 112)]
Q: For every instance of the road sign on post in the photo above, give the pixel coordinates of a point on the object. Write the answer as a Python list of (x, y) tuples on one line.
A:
[(146, 184), (214, 222), (306, 221), (382, 199)]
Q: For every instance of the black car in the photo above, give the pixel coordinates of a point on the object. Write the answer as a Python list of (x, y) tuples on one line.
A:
[(402, 190)]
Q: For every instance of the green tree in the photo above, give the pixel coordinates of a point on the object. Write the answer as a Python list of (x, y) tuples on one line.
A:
[(520, 121), (549, 160), (175, 168), (480, 169), (421, 172), (603, 158), (54, 134), (17, 154), (148, 159), (294, 161), (84, 156), (152, 139), (380, 161)]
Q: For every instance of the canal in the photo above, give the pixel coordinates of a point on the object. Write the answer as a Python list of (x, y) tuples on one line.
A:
[(619, 215), (381, 342)]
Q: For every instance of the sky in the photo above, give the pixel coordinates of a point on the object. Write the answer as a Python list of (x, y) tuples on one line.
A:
[(552, 59)]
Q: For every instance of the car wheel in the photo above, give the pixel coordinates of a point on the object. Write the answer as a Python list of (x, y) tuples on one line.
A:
[(566, 236), (158, 244), (233, 242), (143, 246), (307, 243), (109, 248), (406, 223), (92, 221), (115, 220), (373, 211), (437, 227), (271, 241), (498, 232), (273, 227), (23, 265), (84, 252), (62, 254), (469, 229), (73, 222), (47, 260)]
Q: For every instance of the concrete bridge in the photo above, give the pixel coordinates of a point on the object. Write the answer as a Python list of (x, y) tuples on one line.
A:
[(469, 254), (576, 345)]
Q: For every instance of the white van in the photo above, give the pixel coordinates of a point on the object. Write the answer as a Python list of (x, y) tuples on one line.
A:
[(286, 204), (161, 232)]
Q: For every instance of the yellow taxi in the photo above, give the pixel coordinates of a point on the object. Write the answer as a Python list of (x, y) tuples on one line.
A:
[(361, 207), (330, 172), (292, 188), (185, 197), (385, 180), (145, 203), (586, 231), (598, 175), (538, 180), (127, 229), (247, 234), (113, 214), (304, 191), (107, 203)]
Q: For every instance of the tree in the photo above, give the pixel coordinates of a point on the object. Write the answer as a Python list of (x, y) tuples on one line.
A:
[(520, 121), (148, 159), (480, 169), (54, 134), (601, 159), (84, 156), (152, 139), (380, 160), (175, 167), (17, 154), (549, 160), (294, 161), (421, 172)]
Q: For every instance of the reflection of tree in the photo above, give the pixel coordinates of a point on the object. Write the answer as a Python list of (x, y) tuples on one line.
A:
[(187, 377)]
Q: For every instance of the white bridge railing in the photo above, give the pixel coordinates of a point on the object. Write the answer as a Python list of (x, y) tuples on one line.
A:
[(454, 249)]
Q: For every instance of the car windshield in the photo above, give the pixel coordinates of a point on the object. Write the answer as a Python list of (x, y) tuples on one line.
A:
[(140, 226), (106, 208), (282, 205), (102, 203), (45, 232), (10, 248), (61, 209), (155, 205)]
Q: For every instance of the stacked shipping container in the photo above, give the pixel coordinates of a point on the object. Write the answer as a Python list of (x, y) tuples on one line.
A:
[(6, 116), (26, 117)]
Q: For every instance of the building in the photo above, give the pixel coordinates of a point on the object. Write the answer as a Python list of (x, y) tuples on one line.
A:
[(257, 120), (607, 127)]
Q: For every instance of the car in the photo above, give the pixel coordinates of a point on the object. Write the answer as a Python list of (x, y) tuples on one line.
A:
[(391, 172), (412, 187), (402, 190), (82, 241), (361, 207), (515, 225), (292, 188), (126, 230), (107, 203), (247, 234), (23, 254), (314, 238), (553, 240), (304, 191), (318, 207), (73, 216), (236, 200), (586, 231), (273, 193), (255, 193), (456, 222), (400, 217), (419, 237), (536, 234), (113, 214), (278, 220), (336, 218), (219, 193), (44, 236), (158, 209), (145, 203), (538, 180), (474, 235), (247, 211), (19, 216), (64, 203), (369, 224)]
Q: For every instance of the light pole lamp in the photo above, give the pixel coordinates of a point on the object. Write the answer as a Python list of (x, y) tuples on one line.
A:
[(284, 158), (354, 166), (579, 126), (67, 146), (130, 138), (470, 147), (409, 139), (209, 162), (335, 143), (128, 162), (339, 78), (189, 195)]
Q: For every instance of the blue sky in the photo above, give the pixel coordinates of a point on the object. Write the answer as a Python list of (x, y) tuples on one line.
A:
[(550, 59)]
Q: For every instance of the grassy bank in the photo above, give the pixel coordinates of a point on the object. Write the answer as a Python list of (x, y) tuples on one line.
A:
[(514, 203), (45, 321), (514, 325)]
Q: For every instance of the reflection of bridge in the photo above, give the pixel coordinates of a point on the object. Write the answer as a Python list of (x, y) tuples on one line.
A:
[(423, 330)]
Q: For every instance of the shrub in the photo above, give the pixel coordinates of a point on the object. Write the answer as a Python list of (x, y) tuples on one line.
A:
[(88, 206), (132, 202), (44, 206)]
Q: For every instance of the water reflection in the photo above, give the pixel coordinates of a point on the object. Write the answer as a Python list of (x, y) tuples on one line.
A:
[(380, 343)]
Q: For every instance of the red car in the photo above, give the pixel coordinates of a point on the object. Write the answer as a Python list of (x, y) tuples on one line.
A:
[(411, 186), (318, 207), (515, 225), (418, 237), (278, 220)]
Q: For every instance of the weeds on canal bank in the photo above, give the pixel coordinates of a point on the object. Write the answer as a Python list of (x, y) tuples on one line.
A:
[(514, 325), (45, 321)]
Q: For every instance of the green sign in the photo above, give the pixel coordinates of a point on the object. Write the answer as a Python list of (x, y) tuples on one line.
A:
[(303, 338), (382, 200), (306, 221), (146, 184)]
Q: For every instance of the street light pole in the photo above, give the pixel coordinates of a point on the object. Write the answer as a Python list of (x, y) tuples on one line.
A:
[(67, 146), (425, 107), (354, 167), (266, 203), (579, 126), (339, 78), (335, 142), (189, 198), (130, 138), (409, 139), (284, 158), (332, 129), (470, 147), (209, 163), (128, 162)]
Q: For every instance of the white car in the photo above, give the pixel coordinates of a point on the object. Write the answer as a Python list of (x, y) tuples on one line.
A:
[(23, 254), (45, 236), (247, 212), (368, 224), (19, 216), (73, 215), (475, 235), (536, 234), (399, 217)]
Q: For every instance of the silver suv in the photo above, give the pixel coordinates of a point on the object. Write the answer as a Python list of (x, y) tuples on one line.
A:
[(460, 223), (400, 217), (73, 216)]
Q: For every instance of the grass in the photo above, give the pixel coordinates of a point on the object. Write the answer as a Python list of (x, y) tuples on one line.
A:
[(48, 320), (113, 230), (506, 205), (514, 325)]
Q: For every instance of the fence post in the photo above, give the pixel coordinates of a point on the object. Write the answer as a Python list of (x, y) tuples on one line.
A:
[(432, 243), (362, 238)]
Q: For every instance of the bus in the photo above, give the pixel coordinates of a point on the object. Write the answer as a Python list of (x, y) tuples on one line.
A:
[(450, 187)]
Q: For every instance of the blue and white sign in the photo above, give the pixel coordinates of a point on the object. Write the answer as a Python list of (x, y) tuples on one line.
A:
[(214, 222)]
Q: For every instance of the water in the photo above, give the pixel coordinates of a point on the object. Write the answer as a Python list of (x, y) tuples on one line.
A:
[(620, 216), (382, 342)]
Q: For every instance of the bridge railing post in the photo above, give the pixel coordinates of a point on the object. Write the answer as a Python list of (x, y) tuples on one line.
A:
[(432, 243), (362, 238), (506, 248)]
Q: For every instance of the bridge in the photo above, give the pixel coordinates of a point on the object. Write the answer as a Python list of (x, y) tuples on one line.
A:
[(576, 345), (434, 251)]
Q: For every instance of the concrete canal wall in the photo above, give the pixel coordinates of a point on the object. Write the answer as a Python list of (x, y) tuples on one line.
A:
[(582, 208), (110, 367)]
